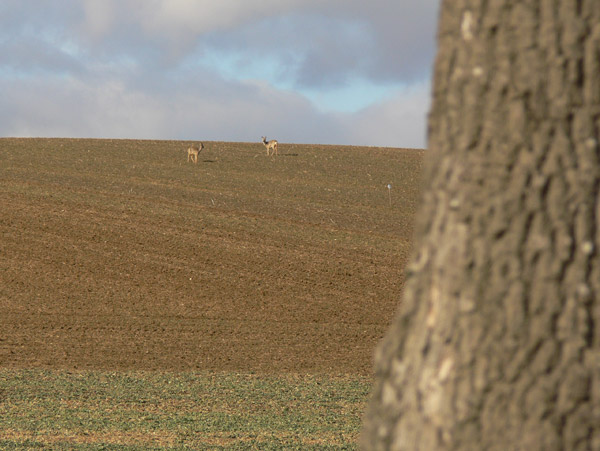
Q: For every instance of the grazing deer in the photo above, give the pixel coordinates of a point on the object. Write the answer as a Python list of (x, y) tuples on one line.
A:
[(193, 152), (270, 145)]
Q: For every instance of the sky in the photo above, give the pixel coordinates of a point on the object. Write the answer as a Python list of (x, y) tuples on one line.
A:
[(345, 72)]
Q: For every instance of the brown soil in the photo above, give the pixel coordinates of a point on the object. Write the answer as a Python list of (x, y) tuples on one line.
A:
[(120, 255)]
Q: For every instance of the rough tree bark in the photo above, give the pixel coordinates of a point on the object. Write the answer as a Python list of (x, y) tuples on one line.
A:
[(496, 344)]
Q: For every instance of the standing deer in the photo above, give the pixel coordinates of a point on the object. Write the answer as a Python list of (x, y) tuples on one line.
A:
[(270, 145), (193, 152)]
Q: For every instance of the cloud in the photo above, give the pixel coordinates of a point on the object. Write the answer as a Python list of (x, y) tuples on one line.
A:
[(340, 71), (397, 121), (317, 42), (209, 110)]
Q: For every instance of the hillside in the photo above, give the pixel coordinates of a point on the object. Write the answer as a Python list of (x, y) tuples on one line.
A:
[(119, 254)]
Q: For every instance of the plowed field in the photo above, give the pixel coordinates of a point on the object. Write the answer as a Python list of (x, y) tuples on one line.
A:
[(121, 255)]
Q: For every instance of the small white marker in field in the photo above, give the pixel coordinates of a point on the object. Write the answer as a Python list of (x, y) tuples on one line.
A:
[(389, 187)]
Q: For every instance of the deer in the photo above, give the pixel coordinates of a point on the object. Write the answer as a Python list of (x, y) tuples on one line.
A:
[(270, 145), (193, 152)]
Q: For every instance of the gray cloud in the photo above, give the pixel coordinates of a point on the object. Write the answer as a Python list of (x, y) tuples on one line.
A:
[(384, 39), (396, 122), (208, 109), (138, 68)]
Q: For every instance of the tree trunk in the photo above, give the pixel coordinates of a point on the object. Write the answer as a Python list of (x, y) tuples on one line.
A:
[(496, 345)]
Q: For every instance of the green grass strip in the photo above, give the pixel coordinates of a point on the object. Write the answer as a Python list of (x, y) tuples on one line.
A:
[(149, 410)]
